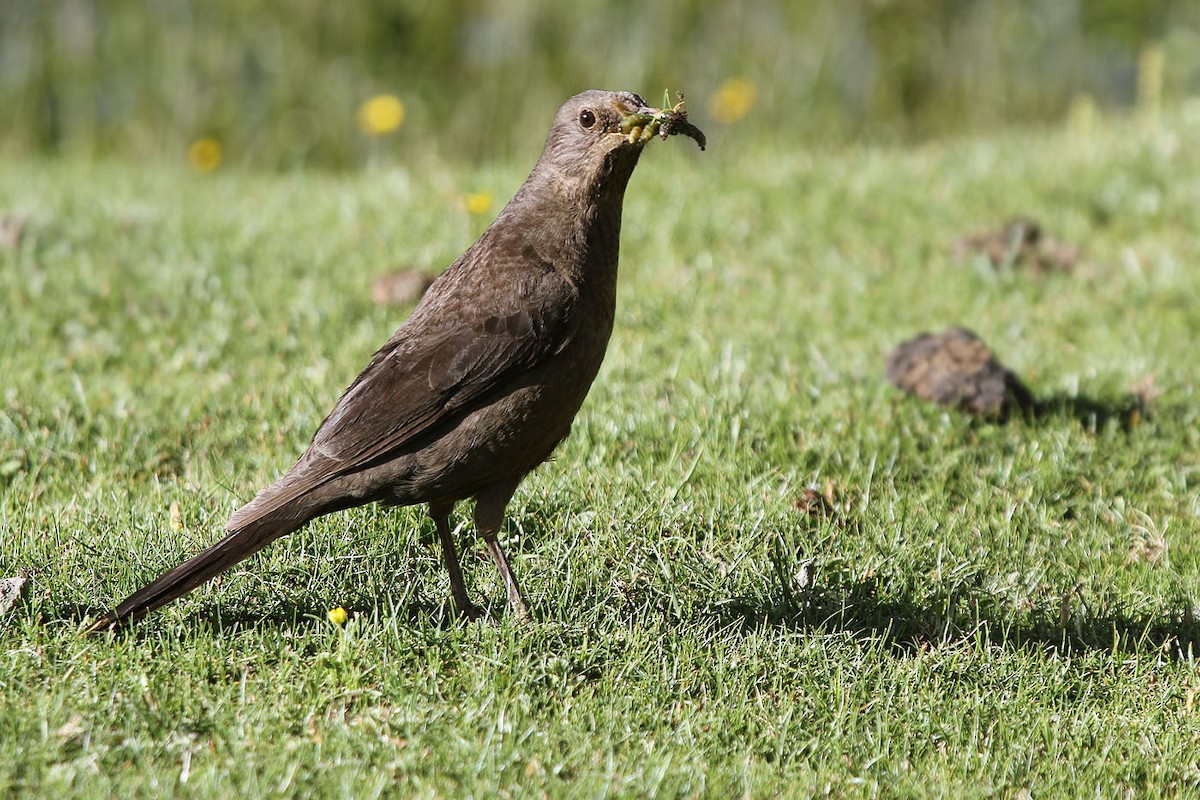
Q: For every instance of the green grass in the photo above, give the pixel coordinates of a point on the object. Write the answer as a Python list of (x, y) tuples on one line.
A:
[(996, 610)]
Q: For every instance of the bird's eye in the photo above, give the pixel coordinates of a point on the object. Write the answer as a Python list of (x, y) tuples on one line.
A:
[(586, 118)]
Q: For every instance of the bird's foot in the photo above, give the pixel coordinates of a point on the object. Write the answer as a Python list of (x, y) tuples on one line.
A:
[(469, 611), (105, 623), (520, 610)]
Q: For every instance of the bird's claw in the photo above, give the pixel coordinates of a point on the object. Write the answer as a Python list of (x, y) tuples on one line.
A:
[(469, 612)]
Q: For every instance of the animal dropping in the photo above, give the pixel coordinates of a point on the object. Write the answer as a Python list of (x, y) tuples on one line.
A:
[(955, 368)]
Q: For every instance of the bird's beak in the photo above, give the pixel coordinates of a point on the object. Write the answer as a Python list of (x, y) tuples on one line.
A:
[(642, 123), (629, 108), (632, 115)]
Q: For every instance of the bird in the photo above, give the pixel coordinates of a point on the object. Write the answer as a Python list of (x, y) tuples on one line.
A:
[(484, 379)]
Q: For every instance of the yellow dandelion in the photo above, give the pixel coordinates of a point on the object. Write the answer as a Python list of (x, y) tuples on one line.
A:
[(337, 615), (1081, 114), (380, 115), (732, 100), (1152, 61), (204, 155), (478, 203)]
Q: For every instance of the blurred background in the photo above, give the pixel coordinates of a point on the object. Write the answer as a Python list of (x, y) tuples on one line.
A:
[(331, 84)]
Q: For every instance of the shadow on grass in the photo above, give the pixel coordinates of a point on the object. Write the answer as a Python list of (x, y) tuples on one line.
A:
[(294, 600), (1092, 413), (909, 626), (904, 624), (220, 618)]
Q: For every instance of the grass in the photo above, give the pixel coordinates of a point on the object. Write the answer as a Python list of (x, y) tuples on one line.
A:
[(992, 609)]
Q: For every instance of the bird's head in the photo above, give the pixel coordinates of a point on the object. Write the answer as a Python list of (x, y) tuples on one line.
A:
[(590, 140)]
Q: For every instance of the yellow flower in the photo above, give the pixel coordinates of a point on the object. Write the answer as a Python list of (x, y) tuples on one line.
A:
[(337, 615), (204, 155), (381, 114), (1152, 61), (478, 203), (1081, 114), (732, 100)]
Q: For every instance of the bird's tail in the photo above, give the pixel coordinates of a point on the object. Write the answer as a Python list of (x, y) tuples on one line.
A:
[(247, 539)]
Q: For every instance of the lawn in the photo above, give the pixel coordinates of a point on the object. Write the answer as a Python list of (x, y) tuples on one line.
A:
[(980, 609)]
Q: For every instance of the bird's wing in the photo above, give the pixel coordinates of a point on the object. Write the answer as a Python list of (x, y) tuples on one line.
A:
[(427, 376)]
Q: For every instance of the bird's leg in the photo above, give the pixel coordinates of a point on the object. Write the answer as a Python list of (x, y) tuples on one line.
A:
[(462, 601), (489, 515)]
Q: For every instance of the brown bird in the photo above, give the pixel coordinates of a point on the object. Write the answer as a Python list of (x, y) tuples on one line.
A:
[(483, 380)]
